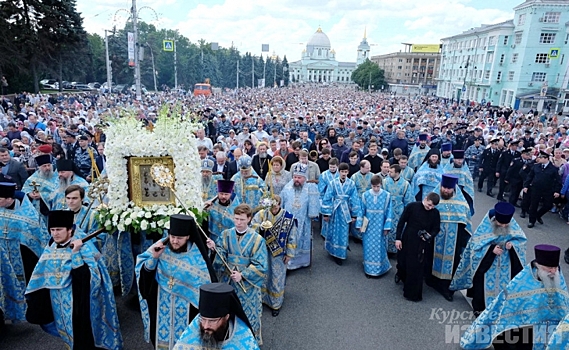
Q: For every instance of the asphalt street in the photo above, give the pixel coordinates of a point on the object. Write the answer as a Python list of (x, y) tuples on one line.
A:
[(335, 307)]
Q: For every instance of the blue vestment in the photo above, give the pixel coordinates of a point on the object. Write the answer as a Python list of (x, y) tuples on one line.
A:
[(401, 195), (560, 337), (239, 337), (44, 186), (341, 203), (426, 179), (376, 207), (210, 190), (220, 217), (179, 277), (465, 182), (56, 199), (408, 174), (524, 302), (304, 205), (323, 182), (247, 254), (250, 190), (417, 156), (363, 183)]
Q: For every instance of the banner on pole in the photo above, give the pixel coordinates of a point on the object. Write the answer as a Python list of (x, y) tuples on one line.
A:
[(168, 45), (130, 49), (261, 83)]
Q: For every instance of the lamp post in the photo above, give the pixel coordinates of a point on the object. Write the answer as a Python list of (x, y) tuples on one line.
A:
[(153, 69), (108, 61), (463, 81)]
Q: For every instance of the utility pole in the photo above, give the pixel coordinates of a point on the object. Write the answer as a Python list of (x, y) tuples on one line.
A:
[(237, 73), (175, 67), (264, 68), (252, 71), (136, 61), (153, 68), (109, 68)]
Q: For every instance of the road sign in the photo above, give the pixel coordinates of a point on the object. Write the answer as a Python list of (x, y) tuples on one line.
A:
[(554, 52), (483, 101), (464, 88), (168, 45)]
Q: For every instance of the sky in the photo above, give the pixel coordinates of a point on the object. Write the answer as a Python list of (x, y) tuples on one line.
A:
[(287, 25)]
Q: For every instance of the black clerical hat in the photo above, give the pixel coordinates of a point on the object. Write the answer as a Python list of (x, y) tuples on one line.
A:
[(60, 218), (547, 255), (182, 225), (503, 212), (64, 165), (458, 154), (220, 299), (7, 189), (43, 159)]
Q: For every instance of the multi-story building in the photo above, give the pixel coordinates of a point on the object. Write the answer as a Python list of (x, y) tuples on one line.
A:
[(410, 72), (519, 63), (318, 62)]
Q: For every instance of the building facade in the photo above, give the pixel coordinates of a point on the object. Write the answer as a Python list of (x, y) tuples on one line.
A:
[(318, 62), (519, 63), (410, 72)]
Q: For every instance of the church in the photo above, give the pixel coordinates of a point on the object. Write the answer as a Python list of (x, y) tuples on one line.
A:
[(318, 63)]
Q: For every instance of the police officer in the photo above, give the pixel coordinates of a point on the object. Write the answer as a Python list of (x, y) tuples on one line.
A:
[(224, 126), (516, 175), (506, 158), (487, 166)]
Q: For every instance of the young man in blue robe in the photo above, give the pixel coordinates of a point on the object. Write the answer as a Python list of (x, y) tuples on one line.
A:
[(377, 212), (220, 211), (85, 218), (428, 176), (493, 256), (221, 324), (406, 172), (245, 253), (465, 182), (401, 194), (23, 238), (362, 180), (325, 179), (526, 312), (278, 227), (70, 292), (341, 206), (446, 154), (453, 237), (249, 187), (169, 274)]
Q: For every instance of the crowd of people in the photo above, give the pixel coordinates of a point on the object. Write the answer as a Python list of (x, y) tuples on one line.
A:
[(281, 167)]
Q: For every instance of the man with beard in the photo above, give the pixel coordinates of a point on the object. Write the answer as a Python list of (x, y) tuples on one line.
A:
[(41, 184), (419, 152), (454, 233), (280, 237), (465, 182), (446, 154), (493, 256), (20, 247), (261, 161), (418, 225), (341, 206), (209, 181), (527, 311), (248, 186), (220, 210), (401, 194), (221, 324), (70, 292), (241, 261), (56, 199), (301, 200), (428, 175), (169, 274)]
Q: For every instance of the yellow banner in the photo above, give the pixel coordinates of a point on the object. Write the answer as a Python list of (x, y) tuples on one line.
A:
[(426, 48)]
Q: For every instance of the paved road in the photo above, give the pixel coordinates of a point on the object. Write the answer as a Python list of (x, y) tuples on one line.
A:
[(336, 307)]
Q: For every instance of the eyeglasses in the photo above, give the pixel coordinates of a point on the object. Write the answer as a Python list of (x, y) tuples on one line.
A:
[(210, 320)]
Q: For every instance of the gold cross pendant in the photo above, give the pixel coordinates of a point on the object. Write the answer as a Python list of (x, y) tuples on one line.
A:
[(171, 282)]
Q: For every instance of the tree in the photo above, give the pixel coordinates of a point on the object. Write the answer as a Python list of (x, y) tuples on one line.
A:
[(369, 73)]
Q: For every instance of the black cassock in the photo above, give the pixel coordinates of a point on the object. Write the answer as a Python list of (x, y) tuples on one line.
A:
[(413, 265)]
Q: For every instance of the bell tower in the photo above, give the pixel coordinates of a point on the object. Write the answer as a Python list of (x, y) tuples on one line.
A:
[(363, 50)]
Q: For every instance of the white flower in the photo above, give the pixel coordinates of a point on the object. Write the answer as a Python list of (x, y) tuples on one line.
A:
[(120, 227), (115, 218), (144, 225), (148, 215), (167, 225), (152, 225), (107, 223), (128, 221)]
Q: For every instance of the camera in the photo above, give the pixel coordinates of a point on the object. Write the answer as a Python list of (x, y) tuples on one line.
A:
[(424, 235)]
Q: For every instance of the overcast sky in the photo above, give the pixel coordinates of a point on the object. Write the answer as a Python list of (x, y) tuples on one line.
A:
[(286, 25)]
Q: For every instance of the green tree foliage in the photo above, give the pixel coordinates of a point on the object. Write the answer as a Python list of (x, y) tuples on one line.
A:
[(369, 73)]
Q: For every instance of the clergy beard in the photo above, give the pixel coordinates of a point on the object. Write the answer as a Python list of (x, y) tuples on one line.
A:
[(549, 280), (46, 174), (297, 185), (500, 230), (182, 249), (213, 339), (64, 183), (447, 196), (206, 180), (263, 155)]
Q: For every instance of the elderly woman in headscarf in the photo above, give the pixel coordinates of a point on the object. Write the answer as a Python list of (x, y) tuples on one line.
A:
[(277, 177), (26, 138)]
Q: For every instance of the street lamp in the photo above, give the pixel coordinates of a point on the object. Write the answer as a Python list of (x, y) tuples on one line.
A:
[(463, 81)]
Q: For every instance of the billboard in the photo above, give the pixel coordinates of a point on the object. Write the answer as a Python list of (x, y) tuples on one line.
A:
[(425, 48), (130, 49)]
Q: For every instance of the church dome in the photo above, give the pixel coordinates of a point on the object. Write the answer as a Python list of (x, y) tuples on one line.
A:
[(319, 39)]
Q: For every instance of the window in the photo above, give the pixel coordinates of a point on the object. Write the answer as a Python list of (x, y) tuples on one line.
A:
[(511, 75), (547, 38), (491, 41), (506, 40), (499, 76), (502, 57), (538, 76), (541, 58), (522, 19), (490, 57), (408, 60), (399, 67), (487, 74), (400, 60), (518, 39), (551, 17), (514, 57)]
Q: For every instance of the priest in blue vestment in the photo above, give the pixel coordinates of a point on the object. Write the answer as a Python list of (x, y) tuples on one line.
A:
[(242, 261), (169, 274), (221, 324), (465, 182), (419, 152), (452, 239), (323, 182), (401, 194), (279, 229), (70, 292), (493, 256), (446, 154), (56, 199), (300, 198), (41, 184), (526, 312), (428, 176), (376, 213), (341, 206), (23, 238), (209, 180), (249, 187), (220, 210)]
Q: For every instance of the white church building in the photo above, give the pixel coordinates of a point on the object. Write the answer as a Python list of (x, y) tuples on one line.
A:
[(318, 63)]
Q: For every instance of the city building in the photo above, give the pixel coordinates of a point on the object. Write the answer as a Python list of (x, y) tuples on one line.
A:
[(412, 71), (318, 62), (518, 63)]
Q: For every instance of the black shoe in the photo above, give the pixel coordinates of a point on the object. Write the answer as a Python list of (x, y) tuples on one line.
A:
[(357, 240), (479, 190), (477, 313), (338, 261), (275, 313), (397, 279), (540, 221), (530, 225), (368, 276), (490, 194), (448, 296), (523, 215)]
